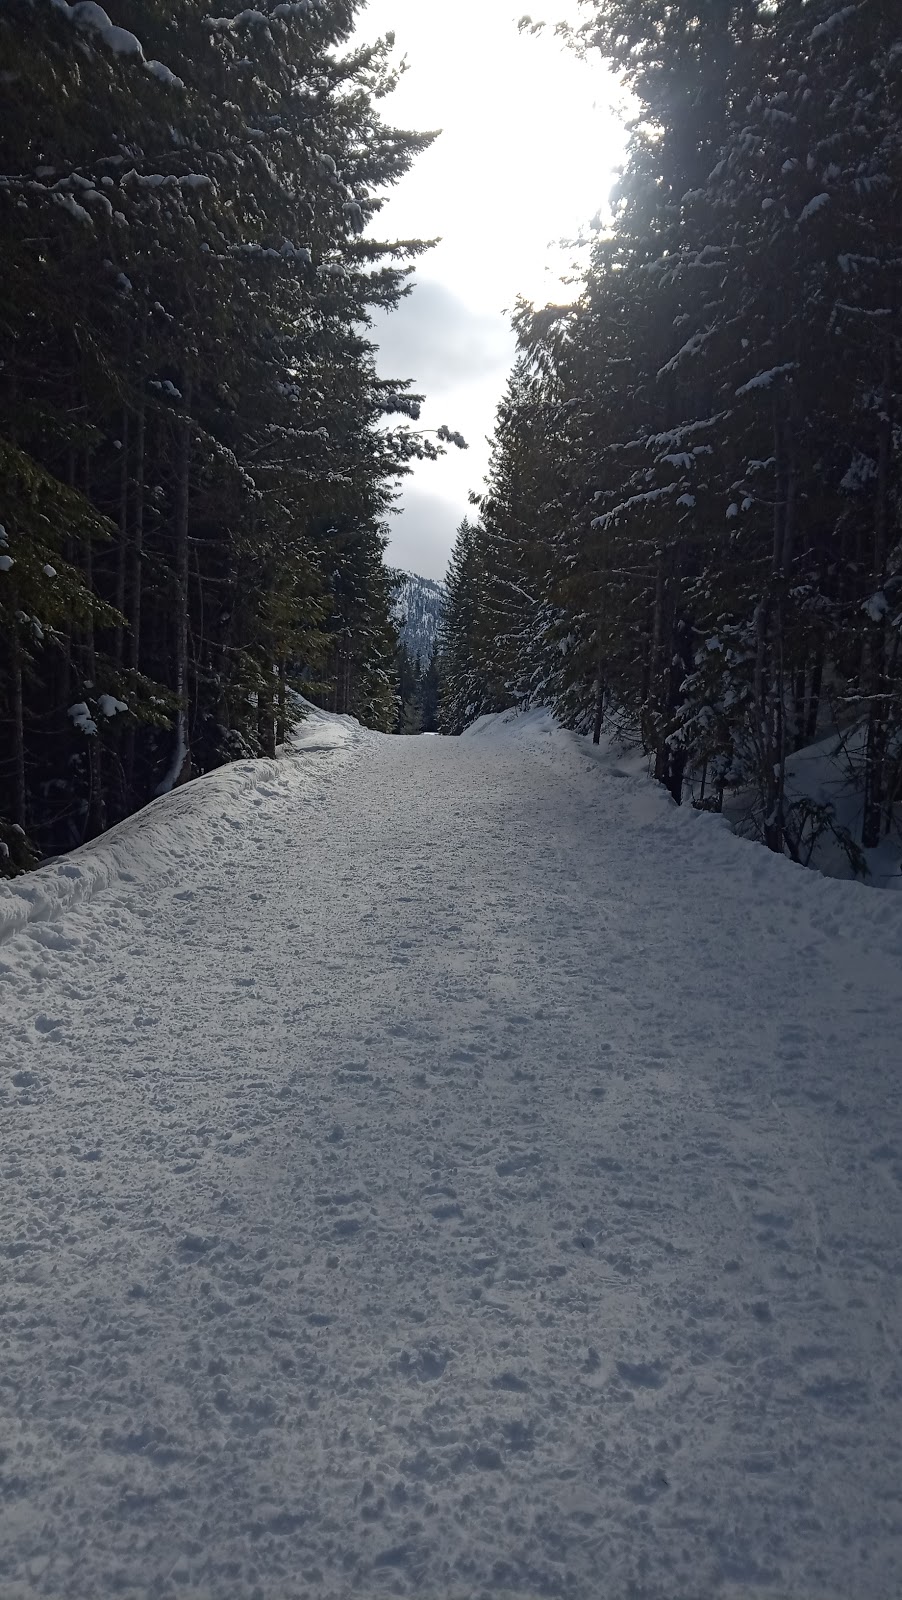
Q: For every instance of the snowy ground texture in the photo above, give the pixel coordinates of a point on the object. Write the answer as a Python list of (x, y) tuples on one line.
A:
[(442, 1168)]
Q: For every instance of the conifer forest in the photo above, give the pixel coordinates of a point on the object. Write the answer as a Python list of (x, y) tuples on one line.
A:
[(692, 521), (450, 800), (690, 530), (196, 453)]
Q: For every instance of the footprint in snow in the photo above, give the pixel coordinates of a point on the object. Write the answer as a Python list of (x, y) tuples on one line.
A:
[(50, 1027), (25, 1080), (425, 1365), (642, 1374), (518, 1163), (510, 1382), (348, 1226), (341, 1197)]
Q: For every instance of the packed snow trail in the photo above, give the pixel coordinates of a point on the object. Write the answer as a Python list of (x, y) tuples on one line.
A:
[(456, 1174)]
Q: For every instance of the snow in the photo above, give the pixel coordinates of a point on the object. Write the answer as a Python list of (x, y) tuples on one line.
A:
[(763, 380), (72, 206), (255, 18), (158, 69), (861, 471), (649, 497), (87, 15), (693, 345), (828, 773), (813, 206), (81, 716), (109, 706), (876, 606), (173, 776), (445, 1168), (832, 23)]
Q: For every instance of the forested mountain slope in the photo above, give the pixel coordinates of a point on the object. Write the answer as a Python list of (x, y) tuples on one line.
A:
[(418, 608), (693, 524)]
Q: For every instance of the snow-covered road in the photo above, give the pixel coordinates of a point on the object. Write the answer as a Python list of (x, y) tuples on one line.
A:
[(440, 1168)]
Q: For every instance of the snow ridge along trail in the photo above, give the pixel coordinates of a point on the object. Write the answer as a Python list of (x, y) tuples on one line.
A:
[(439, 1168)]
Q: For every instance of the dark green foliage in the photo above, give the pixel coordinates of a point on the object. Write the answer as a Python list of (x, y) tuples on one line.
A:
[(410, 678), (194, 466), (419, 688), (470, 683), (430, 693), (695, 516)]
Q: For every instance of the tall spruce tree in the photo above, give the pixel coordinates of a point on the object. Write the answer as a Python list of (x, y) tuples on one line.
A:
[(711, 536), (194, 460)]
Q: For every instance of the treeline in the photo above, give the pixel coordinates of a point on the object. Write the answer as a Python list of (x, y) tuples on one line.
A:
[(693, 514), (419, 686), (195, 465)]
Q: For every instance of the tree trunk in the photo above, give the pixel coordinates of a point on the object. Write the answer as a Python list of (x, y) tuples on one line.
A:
[(680, 667), (768, 675), (814, 693), (265, 722), (179, 770), (600, 678), (136, 552), (799, 696), (653, 710), (876, 679), (282, 718), (122, 552), (135, 578), (20, 802), (599, 706), (95, 816)]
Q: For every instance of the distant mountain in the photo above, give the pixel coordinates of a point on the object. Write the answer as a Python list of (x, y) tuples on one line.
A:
[(419, 608)]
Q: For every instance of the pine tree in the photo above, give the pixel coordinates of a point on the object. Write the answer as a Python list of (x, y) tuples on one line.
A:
[(194, 457), (469, 681), (709, 532)]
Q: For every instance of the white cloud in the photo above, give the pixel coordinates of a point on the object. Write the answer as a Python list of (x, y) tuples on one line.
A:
[(440, 342), (530, 144), (422, 533)]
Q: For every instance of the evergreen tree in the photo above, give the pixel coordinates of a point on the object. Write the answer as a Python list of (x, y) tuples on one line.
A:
[(706, 536), (469, 684), (430, 690), (195, 464)]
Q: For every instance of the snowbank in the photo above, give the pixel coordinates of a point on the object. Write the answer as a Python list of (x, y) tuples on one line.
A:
[(841, 906), (160, 839), (828, 773)]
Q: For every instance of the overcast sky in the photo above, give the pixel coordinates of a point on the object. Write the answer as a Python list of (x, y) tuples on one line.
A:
[(530, 144)]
